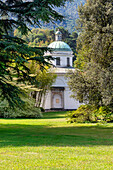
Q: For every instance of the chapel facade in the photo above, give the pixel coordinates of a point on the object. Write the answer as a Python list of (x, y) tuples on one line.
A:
[(58, 97)]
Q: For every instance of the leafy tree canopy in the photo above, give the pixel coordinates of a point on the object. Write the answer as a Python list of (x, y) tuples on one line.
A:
[(96, 23), (92, 80)]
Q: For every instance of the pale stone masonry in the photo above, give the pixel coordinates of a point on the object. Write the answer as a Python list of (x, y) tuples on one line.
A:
[(59, 95)]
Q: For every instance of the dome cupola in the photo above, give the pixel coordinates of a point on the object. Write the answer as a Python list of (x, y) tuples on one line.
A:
[(58, 36), (59, 46), (61, 52)]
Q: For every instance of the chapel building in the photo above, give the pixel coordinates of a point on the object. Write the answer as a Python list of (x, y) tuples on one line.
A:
[(58, 97)]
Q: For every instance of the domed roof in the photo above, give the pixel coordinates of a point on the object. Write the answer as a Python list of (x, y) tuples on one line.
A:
[(58, 32), (59, 46)]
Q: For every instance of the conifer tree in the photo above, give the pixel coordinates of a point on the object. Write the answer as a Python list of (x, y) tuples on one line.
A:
[(14, 52)]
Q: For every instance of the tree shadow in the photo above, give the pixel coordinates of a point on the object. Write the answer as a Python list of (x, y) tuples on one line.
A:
[(39, 135)]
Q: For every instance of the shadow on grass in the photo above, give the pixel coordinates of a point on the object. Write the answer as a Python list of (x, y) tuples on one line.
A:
[(37, 135)]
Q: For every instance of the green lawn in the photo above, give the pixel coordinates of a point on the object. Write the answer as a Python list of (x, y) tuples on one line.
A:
[(51, 143)]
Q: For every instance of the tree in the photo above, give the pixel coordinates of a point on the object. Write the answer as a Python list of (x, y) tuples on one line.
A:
[(45, 78), (43, 37), (92, 80), (14, 52), (96, 38)]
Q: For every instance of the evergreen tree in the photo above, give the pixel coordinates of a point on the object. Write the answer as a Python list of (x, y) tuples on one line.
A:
[(14, 52)]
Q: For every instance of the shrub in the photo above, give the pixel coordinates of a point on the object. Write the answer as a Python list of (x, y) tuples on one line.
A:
[(104, 114), (89, 113), (28, 110), (82, 114)]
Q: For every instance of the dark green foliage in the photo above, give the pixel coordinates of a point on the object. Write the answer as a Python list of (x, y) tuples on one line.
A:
[(104, 114), (42, 109), (89, 113), (11, 93), (92, 81), (93, 84), (14, 52), (82, 114), (96, 39), (28, 109)]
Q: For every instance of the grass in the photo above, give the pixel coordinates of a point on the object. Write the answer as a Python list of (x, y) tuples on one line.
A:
[(51, 143)]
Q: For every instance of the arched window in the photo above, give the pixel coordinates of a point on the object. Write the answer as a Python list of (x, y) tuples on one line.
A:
[(58, 61), (68, 61)]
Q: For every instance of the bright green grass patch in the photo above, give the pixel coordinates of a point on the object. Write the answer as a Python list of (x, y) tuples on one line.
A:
[(51, 143)]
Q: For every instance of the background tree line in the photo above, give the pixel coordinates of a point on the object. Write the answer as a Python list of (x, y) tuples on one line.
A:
[(70, 13), (43, 37)]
